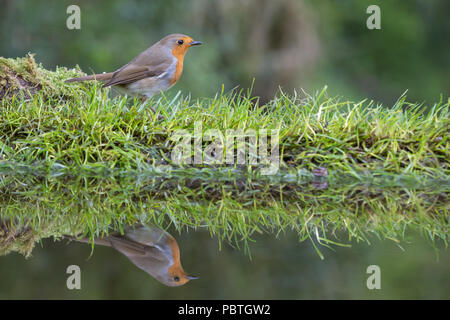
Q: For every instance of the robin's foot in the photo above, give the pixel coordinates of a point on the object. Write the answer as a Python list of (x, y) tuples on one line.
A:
[(160, 117), (143, 100)]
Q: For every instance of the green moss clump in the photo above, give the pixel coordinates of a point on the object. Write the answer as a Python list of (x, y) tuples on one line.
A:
[(19, 239), (23, 76)]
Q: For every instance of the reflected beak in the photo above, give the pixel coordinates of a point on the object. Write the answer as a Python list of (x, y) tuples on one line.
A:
[(191, 277), (196, 43)]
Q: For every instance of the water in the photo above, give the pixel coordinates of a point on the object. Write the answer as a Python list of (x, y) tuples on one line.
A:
[(239, 231)]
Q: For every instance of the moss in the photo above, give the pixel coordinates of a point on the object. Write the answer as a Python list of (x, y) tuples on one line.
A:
[(23, 76), (17, 239), (74, 161)]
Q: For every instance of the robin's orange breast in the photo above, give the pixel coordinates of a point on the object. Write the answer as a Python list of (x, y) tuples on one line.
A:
[(178, 53)]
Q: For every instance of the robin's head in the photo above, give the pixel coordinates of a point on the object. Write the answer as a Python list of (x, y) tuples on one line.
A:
[(179, 44), (175, 275)]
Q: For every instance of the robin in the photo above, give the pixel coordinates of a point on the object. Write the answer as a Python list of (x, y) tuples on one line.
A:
[(151, 249), (155, 70)]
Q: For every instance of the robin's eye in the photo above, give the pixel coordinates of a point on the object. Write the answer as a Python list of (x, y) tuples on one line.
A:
[(176, 279), (180, 42)]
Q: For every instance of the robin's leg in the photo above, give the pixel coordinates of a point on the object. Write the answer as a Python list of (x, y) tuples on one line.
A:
[(143, 99)]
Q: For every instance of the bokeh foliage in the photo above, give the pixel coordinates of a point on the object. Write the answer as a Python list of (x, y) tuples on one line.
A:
[(289, 43)]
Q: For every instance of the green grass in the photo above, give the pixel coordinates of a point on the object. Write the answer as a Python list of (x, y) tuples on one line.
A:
[(81, 162)]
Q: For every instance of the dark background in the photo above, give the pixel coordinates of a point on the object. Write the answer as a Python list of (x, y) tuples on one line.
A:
[(289, 43)]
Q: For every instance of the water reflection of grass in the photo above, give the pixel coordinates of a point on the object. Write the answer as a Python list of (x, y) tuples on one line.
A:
[(81, 163)]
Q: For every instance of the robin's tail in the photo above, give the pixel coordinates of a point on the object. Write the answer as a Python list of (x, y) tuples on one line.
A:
[(101, 76), (99, 241)]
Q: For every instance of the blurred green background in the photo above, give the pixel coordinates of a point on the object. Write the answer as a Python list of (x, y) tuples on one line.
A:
[(289, 43)]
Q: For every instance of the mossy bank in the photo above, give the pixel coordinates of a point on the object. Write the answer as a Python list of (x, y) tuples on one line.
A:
[(75, 160)]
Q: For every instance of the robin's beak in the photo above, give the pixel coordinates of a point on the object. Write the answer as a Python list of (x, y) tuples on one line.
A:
[(191, 277), (195, 43)]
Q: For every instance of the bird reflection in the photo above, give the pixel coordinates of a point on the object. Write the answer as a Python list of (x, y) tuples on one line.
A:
[(149, 248)]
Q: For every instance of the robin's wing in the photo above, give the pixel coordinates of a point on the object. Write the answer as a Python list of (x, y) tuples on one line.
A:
[(147, 235), (134, 250), (130, 74), (139, 68), (151, 236), (147, 258)]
